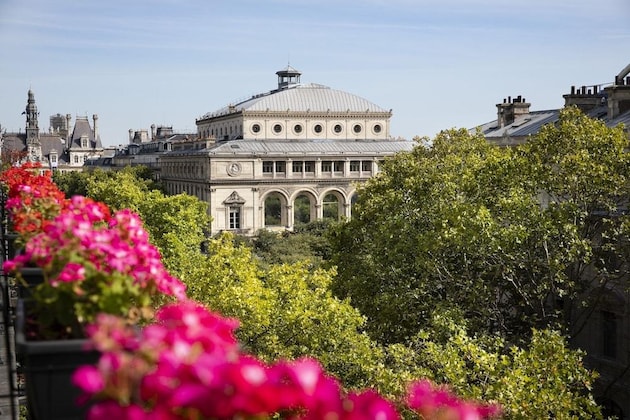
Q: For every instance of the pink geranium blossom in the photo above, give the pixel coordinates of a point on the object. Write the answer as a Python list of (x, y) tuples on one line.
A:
[(92, 261), (188, 365)]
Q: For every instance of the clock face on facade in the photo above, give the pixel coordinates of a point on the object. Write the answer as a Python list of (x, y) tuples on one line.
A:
[(234, 168)]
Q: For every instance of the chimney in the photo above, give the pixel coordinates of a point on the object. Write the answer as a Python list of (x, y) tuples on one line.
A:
[(153, 131), (130, 135), (619, 94), (585, 98), (69, 135), (510, 110), (95, 119)]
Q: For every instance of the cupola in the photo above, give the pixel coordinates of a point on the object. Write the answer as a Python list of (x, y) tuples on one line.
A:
[(288, 77)]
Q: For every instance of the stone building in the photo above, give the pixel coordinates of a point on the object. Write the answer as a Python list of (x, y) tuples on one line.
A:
[(287, 156), (146, 149), (62, 148), (516, 122)]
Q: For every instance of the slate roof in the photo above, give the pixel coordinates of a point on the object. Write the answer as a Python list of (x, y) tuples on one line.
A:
[(49, 142), (310, 97), (14, 141), (315, 148), (531, 123), (81, 128)]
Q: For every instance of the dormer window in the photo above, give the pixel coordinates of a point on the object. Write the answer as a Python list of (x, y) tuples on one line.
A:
[(84, 142)]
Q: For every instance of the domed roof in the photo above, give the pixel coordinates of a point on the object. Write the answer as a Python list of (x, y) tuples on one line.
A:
[(310, 97)]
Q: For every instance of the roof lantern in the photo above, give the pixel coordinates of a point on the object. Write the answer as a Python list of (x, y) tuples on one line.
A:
[(288, 77)]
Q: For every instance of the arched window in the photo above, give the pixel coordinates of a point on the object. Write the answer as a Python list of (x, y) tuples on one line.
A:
[(301, 209), (353, 201), (330, 207), (273, 210)]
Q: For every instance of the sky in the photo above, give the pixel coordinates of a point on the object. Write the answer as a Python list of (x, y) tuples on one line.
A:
[(438, 64)]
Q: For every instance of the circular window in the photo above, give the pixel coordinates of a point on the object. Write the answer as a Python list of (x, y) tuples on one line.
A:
[(297, 128), (256, 128), (317, 128), (337, 128), (357, 128), (277, 128), (378, 128)]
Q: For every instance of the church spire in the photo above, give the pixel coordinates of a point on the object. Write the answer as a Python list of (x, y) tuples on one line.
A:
[(32, 129), (32, 125)]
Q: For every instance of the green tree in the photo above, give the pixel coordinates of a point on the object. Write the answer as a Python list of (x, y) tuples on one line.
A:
[(75, 182), (582, 168), (433, 230), (464, 224), (177, 224), (542, 380), (287, 311), (307, 242)]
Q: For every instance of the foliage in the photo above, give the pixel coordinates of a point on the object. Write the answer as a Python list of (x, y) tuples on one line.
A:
[(461, 225), (11, 157), (176, 224), (76, 182), (483, 368), (307, 243), (582, 167), (286, 311), (433, 230)]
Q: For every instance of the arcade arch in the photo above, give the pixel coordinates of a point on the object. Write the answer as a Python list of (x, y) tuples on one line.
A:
[(333, 204), (275, 209), (304, 210)]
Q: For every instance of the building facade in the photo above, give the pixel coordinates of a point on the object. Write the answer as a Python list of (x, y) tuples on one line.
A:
[(287, 156), (62, 148)]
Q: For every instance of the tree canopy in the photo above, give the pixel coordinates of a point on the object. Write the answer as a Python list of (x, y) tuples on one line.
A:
[(287, 311), (503, 235), (177, 224)]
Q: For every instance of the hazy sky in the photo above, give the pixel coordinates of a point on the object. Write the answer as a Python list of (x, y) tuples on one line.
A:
[(437, 63)]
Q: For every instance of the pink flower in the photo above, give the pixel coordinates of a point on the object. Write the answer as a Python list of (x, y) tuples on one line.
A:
[(109, 410), (188, 365), (72, 272), (427, 399), (369, 405), (89, 379)]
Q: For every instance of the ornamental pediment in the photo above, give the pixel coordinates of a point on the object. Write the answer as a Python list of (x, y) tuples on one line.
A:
[(234, 198)]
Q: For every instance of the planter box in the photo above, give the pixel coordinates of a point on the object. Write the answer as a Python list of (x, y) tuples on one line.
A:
[(32, 276), (48, 367)]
